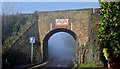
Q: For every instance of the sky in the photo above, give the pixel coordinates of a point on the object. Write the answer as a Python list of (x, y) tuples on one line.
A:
[(49, 0), (31, 7)]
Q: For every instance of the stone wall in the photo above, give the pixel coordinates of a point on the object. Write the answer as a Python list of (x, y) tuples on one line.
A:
[(92, 48)]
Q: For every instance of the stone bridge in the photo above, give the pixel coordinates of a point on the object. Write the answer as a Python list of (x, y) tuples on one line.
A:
[(78, 25), (44, 27)]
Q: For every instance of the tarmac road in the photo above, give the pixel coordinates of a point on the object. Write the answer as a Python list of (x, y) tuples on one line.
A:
[(61, 64)]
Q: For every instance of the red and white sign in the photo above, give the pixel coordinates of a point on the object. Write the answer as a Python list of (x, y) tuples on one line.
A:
[(61, 21), (87, 39)]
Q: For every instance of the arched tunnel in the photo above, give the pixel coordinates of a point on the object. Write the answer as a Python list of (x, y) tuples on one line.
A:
[(50, 34)]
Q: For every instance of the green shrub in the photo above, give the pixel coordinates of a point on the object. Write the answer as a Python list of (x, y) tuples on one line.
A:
[(109, 27)]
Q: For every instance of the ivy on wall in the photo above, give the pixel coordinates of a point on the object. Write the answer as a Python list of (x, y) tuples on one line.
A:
[(109, 28)]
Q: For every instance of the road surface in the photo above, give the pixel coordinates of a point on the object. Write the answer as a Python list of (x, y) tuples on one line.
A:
[(61, 64)]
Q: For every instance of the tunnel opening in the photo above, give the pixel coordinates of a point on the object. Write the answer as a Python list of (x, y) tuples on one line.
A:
[(61, 49), (51, 33)]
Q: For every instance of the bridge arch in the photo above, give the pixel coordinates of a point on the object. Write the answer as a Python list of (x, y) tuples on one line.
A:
[(46, 38)]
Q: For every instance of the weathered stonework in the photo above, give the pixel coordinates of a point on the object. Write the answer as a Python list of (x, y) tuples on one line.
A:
[(79, 20), (92, 49)]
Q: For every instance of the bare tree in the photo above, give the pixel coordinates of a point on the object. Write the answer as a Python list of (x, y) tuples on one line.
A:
[(13, 10), (6, 9), (9, 9)]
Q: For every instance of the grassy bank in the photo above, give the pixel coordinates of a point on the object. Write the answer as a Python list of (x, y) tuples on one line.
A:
[(92, 64)]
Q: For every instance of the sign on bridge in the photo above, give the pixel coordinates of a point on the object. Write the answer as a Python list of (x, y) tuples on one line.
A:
[(61, 21)]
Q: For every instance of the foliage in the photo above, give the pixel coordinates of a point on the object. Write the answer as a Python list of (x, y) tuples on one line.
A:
[(109, 27), (105, 53), (13, 27)]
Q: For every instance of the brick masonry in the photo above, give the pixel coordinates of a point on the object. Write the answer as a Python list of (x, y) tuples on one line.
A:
[(19, 53)]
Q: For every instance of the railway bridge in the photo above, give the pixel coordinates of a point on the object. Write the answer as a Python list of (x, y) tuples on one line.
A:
[(45, 26)]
